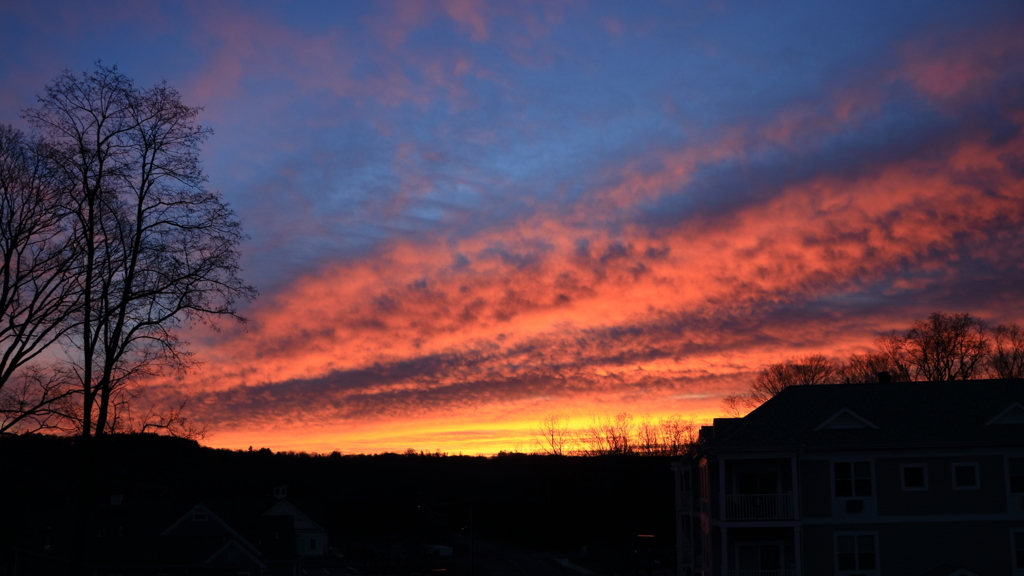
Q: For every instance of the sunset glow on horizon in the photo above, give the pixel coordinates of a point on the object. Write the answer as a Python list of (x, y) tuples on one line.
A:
[(466, 215)]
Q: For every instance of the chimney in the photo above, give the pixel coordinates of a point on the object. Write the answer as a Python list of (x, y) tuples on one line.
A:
[(884, 377)]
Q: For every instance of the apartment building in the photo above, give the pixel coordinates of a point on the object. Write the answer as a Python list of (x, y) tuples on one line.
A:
[(922, 478)]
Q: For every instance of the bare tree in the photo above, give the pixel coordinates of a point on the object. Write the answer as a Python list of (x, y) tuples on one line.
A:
[(943, 347), (609, 435), (621, 434), (671, 436), (648, 437), (156, 250), (893, 347), (805, 371), (554, 435), (738, 405), (37, 299), (33, 400), (864, 368), (171, 421), (153, 250), (678, 435), (1006, 359), (810, 370)]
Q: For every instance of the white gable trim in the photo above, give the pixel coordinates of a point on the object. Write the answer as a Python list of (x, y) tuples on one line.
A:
[(845, 412), (286, 508), (202, 508), (241, 548), (998, 417)]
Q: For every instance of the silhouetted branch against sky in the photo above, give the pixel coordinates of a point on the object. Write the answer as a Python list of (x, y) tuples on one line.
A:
[(467, 214), (943, 347), (151, 251)]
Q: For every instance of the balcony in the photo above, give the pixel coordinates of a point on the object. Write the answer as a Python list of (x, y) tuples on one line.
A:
[(759, 507)]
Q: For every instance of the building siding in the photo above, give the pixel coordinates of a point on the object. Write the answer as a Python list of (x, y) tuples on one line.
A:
[(941, 497), (981, 547), (815, 489)]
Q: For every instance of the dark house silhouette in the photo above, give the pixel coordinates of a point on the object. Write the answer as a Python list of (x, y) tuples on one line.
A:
[(133, 537), (310, 537), (200, 541), (915, 479)]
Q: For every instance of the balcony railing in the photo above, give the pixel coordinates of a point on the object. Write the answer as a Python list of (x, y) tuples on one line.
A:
[(762, 572), (758, 507)]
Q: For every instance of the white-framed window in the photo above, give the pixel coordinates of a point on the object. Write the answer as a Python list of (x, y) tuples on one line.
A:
[(856, 553), (199, 516), (1015, 468), (965, 476), (914, 477), (852, 479), (312, 543)]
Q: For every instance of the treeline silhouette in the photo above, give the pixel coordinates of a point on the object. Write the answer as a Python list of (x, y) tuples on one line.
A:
[(619, 435), (366, 502), (943, 347)]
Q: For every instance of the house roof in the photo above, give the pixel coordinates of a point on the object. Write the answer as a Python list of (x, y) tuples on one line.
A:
[(301, 520), (878, 416)]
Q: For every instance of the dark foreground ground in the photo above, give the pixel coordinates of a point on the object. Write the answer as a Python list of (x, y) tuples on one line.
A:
[(384, 514)]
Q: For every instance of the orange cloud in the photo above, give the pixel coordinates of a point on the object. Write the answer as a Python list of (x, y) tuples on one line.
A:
[(638, 296), (546, 315)]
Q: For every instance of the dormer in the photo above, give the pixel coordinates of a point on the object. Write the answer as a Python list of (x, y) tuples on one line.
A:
[(845, 419), (1013, 414)]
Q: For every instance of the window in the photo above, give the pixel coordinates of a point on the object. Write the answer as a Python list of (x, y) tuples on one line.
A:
[(965, 476), (1016, 475), (915, 476), (312, 543), (199, 516), (856, 552), (853, 479)]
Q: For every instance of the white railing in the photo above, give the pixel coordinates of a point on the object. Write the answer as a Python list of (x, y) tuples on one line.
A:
[(758, 507), (762, 572)]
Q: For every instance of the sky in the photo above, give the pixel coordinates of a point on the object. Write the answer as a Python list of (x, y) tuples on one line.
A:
[(463, 216)]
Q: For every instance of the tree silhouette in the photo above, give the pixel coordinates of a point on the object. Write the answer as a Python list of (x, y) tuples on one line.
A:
[(155, 249), (943, 347), (806, 371), (37, 298), (1007, 356)]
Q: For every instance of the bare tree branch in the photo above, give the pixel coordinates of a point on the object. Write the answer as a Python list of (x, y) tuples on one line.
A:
[(155, 250)]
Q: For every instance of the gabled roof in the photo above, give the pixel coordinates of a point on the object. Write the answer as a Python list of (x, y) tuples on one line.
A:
[(905, 414), (232, 545), (845, 419), (300, 519), (187, 525), (1013, 414)]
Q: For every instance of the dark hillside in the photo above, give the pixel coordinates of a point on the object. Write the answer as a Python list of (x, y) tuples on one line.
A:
[(542, 503)]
